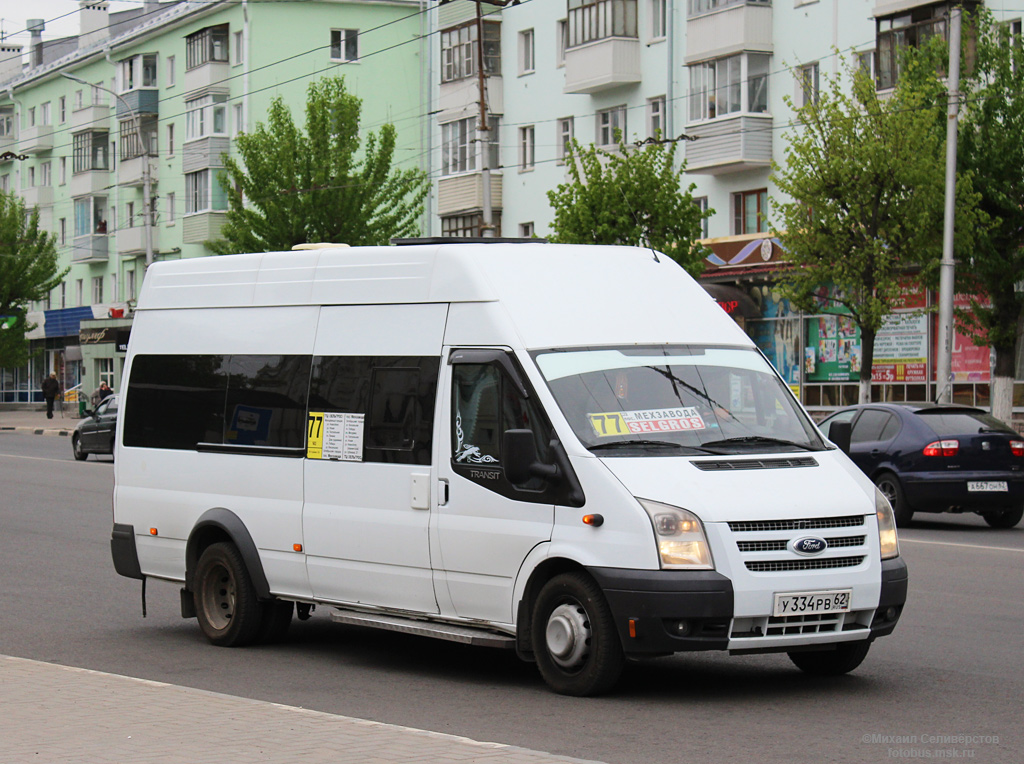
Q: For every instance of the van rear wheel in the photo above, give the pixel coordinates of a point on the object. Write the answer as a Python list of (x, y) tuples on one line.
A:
[(227, 607), (844, 659), (574, 639)]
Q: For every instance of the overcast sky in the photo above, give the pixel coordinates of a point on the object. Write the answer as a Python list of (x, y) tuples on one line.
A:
[(61, 16)]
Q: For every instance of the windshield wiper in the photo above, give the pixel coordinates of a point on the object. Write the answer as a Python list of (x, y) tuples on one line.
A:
[(754, 439), (646, 444)]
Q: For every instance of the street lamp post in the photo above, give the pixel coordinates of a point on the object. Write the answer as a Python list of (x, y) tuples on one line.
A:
[(147, 188)]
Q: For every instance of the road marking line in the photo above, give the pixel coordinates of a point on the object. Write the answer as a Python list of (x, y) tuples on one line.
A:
[(40, 458), (967, 546)]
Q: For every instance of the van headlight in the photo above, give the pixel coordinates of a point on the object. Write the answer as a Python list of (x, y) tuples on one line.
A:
[(887, 540), (679, 534)]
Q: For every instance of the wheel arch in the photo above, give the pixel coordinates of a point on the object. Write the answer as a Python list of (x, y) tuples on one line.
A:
[(220, 524), (543, 572)]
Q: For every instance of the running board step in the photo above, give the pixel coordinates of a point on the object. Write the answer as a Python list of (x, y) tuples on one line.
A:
[(464, 634)]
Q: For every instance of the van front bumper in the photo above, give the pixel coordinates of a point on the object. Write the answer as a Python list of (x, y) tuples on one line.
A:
[(668, 611)]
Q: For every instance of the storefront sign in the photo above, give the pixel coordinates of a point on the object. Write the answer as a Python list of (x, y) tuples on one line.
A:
[(901, 349), (95, 336)]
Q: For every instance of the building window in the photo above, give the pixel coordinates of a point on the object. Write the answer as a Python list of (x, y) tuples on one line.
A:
[(129, 215), (206, 116), (526, 230), (171, 215), (135, 144), (203, 192), (716, 87), (90, 152), (206, 46), (566, 130), (591, 20), (239, 50), (63, 233), (97, 293), (468, 225), (113, 287), (6, 124), (79, 292), (866, 63), (138, 72), (697, 7), (807, 85), (526, 148), (459, 50), (611, 126), (62, 109), (170, 71), (170, 140), (908, 29), (63, 170), (658, 17), (45, 174), (656, 117), (459, 147), (105, 368), (44, 114), (5, 183), (129, 287), (701, 202), (561, 41), (526, 54), (239, 119), (90, 216), (32, 116), (79, 103), (750, 211), (344, 45)]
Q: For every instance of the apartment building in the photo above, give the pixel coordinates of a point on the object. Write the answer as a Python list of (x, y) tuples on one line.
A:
[(143, 105), (719, 75)]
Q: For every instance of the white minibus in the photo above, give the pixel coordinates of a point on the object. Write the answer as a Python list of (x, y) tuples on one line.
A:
[(567, 451)]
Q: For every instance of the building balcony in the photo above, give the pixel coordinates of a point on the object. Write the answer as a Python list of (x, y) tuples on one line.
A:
[(465, 193), (132, 172), (91, 248), (730, 144), (90, 182), (213, 74), (142, 102), (729, 30), (38, 196), (90, 117), (204, 153), (461, 98), (36, 140), (8, 143), (201, 227), (602, 64), (132, 241)]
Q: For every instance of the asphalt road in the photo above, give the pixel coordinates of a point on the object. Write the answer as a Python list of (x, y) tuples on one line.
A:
[(947, 684)]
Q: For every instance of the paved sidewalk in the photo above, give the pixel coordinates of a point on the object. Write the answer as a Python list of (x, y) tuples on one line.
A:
[(57, 714), (36, 422)]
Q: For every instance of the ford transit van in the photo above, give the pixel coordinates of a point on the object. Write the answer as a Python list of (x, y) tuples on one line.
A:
[(567, 451)]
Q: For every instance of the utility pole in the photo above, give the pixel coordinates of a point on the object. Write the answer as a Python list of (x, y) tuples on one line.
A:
[(483, 133), (944, 362)]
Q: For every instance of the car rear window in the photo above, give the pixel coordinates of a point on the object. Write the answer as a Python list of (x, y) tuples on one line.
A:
[(961, 422)]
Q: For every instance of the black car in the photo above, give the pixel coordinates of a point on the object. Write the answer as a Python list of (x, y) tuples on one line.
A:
[(95, 433), (930, 458)]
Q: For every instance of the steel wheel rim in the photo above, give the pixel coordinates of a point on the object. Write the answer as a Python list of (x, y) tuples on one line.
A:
[(567, 635), (888, 491), (76, 444), (219, 596)]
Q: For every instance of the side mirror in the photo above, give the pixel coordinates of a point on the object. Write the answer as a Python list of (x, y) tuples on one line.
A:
[(519, 458), (839, 433)]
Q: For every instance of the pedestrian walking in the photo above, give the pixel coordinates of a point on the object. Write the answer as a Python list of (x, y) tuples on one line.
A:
[(51, 389)]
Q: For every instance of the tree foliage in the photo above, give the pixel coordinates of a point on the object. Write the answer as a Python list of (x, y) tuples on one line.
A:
[(865, 179), (28, 272), (634, 196), (292, 185)]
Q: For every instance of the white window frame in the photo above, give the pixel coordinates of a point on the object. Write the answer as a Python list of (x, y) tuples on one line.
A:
[(527, 230), (238, 41), (199, 192), (44, 113), (345, 36), (201, 116), (171, 212), (527, 52), (170, 139), (129, 284), (701, 202), (45, 173), (659, 19), (527, 148), (566, 127), (79, 292), (170, 71), (97, 290), (62, 109), (807, 84), (725, 87), (608, 121), (561, 41), (237, 118), (656, 117)]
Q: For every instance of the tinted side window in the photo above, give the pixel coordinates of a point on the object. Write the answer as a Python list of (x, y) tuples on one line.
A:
[(175, 401), (396, 394), (266, 400), (869, 426)]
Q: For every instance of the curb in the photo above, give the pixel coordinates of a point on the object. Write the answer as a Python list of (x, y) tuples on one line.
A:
[(37, 431)]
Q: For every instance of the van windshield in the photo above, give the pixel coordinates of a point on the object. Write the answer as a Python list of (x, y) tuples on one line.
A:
[(675, 400)]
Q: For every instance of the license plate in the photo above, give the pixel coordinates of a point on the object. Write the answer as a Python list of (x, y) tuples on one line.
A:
[(986, 485), (812, 603)]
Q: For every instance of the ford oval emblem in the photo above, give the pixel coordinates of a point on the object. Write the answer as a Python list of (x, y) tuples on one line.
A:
[(808, 545)]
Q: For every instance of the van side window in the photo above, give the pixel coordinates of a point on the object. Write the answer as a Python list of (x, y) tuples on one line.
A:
[(266, 400), (396, 394)]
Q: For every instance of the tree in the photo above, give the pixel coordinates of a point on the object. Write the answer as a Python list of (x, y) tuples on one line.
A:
[(633, 196), (292, 186), (28, 272), (865, 180), (991, 150)]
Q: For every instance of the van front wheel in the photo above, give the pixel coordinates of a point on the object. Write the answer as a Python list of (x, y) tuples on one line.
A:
[(574, 640), (229, 612)]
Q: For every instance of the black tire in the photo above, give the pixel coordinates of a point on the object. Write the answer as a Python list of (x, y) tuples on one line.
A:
[(76, 449), (844, 659), (575, 643), (276, 618), (1006, 519), (229, 613), (890, 487)]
